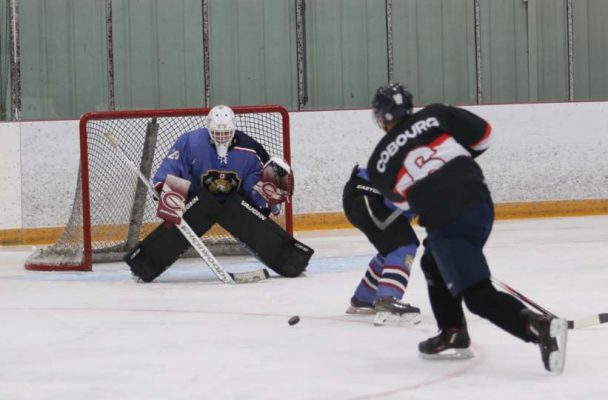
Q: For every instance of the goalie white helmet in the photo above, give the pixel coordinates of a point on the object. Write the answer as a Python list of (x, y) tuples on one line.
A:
[(221, 128)]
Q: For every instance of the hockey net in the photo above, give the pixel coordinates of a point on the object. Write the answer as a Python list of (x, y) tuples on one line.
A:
[(112, 209)]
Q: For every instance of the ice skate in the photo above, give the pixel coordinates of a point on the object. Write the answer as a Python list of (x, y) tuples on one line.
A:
[(450, 344), (360, 307), (551, 334), (390, 311)]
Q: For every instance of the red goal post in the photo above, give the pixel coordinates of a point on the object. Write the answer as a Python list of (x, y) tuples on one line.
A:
[(112, 210)]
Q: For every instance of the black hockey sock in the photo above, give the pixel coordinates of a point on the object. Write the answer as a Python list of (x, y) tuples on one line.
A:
[(502, 309), (447, 309)]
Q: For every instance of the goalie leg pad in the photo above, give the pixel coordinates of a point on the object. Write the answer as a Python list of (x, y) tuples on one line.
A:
[(153, 255), (267, 240), (161, 248)]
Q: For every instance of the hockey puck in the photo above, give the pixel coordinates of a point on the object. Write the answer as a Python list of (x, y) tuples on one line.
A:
[(293, 320)]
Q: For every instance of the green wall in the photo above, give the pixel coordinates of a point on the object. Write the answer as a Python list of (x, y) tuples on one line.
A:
[(252, 52), (456, 51)]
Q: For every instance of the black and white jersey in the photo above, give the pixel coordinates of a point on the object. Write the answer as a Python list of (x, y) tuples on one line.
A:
[(425, 163)]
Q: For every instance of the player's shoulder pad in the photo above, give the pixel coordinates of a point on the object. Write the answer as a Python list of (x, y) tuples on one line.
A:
[(437, 108), (197, 134), (192, 140), (197, 137), (241, 139), (442, 112)]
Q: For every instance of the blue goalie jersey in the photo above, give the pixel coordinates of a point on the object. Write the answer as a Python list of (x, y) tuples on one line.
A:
[(194, 157)]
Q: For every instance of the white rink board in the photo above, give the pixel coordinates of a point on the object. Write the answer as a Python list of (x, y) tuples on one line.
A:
[(554, 151), (10, 176), (49, 158)]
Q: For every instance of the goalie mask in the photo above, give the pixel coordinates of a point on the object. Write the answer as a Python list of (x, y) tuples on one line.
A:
[(221, 129)]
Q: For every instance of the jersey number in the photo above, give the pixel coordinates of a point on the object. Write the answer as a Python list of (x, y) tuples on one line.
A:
[(418, 164)]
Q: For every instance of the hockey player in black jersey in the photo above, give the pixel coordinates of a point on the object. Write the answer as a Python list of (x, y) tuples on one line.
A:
[(388, 228), (425, 163)]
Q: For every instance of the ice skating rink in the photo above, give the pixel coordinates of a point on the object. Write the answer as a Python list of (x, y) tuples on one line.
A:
[(99, 335)]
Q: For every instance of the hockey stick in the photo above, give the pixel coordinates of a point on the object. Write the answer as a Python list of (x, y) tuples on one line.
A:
[(572, 324), (190, 235)]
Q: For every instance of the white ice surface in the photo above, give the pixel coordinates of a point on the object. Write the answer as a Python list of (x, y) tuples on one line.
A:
[(99, 335)]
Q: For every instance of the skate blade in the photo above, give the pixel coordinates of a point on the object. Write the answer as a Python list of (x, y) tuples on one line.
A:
[(360, 310), (557, 359), (386, 318), (449, 354)]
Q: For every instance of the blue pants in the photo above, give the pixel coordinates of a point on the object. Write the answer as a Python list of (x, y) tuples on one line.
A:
[(457, 247)]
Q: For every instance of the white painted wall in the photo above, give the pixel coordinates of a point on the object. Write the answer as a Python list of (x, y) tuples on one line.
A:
[(10, 176), (50, 154), (552, 151), (541, 152)]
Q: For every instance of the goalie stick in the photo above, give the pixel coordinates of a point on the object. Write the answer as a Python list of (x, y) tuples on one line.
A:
[(190, 235), (572, 324)]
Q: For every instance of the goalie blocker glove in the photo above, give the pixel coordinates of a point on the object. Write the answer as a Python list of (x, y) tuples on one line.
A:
[(172, 199)]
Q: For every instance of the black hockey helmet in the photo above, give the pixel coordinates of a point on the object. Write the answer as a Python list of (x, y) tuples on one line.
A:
[(392, 102)]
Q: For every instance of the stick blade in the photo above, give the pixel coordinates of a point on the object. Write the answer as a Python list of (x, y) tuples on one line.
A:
[(588, 321), (251, 276)]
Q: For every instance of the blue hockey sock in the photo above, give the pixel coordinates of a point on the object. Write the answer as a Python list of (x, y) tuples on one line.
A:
[(366, 290), (396, 272)]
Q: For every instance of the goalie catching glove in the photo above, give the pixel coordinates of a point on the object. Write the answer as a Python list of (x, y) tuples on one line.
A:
[(276, 182), (172, 199)]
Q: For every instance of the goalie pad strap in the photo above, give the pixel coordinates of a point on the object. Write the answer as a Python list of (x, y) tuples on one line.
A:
[(153, 255), (266, 239)]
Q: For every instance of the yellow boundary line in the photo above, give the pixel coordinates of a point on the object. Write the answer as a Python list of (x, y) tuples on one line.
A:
[(337, 220), (539, 209)]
